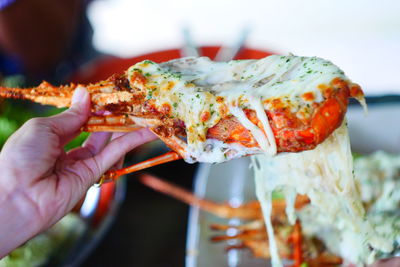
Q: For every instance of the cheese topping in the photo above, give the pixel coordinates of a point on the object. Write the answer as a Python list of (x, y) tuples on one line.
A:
[(200, 92), (378, 178), (325, 176)]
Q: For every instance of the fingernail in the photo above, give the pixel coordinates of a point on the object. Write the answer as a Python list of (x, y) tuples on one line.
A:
[(79, 95)]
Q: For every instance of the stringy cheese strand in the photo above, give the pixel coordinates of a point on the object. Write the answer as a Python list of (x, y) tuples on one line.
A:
[(260, 137), (325, 176)]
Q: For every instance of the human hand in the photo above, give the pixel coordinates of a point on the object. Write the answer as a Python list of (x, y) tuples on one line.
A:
[(40, 183), (393, 262)]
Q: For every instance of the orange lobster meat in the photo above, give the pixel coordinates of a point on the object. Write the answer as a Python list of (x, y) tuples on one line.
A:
[(204, 116)]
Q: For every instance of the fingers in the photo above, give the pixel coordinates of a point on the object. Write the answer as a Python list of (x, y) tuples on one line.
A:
[(90, 169), (120, 163), (120, 146), (70, 121), (116, 135), (387, 262), (97, 141), (91, 147)]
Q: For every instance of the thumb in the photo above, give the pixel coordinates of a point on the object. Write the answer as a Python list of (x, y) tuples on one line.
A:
[(71, 120)]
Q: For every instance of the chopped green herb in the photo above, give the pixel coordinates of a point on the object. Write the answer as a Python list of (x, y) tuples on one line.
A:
[(150, 94), (277, 195)]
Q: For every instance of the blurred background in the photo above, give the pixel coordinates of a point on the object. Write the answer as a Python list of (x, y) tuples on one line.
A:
[(83, 41), (360, 36)]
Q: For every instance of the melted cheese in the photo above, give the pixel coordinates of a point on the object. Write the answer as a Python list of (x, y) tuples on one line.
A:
[(378, 178), (325, 176), (192, 86)]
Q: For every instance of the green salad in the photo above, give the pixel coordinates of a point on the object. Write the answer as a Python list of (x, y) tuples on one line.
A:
[(39, 249)]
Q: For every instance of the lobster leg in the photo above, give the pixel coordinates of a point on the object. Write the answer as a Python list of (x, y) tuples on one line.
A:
[(221, 210), (110, 123), (297, 240), (108, 128), (174, 142), (247, 211), (110, 176)]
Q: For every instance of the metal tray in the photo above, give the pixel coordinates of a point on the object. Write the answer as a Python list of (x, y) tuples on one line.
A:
[(233, 182)]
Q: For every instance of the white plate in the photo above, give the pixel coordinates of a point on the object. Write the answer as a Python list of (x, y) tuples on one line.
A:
[(233, 182)]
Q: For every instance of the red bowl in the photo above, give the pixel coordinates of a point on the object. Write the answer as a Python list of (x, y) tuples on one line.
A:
[(104, 67)]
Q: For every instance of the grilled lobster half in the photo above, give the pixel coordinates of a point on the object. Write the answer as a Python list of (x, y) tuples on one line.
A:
[(212, 111)]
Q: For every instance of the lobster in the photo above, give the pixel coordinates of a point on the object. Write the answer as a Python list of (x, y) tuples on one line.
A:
[(211, 112)]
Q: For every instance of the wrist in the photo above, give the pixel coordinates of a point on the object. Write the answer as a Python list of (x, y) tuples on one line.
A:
[(17, 216)]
